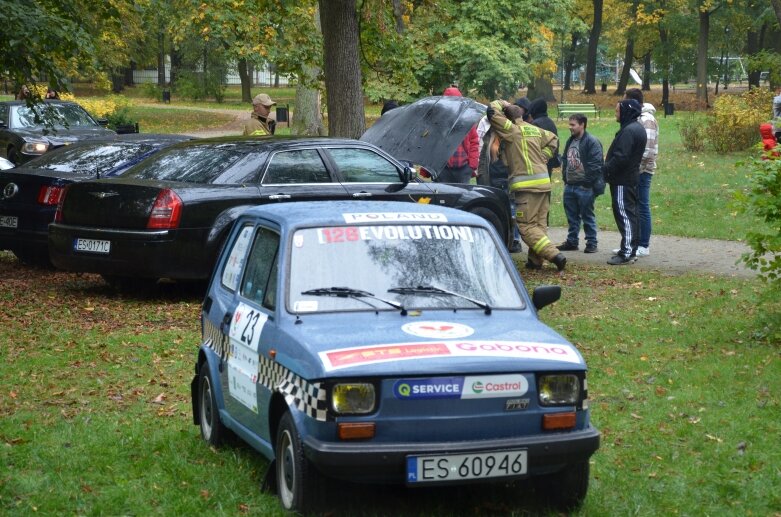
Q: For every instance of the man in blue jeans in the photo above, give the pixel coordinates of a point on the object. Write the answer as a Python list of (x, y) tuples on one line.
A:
[(581, 169)]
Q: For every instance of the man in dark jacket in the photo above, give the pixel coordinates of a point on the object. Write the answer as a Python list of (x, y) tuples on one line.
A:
[(622, 172), (581, 169), (538, 110)]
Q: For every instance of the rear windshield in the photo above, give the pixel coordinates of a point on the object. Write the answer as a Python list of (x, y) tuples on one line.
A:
[(92, 159), (61, 115), (199, 164)]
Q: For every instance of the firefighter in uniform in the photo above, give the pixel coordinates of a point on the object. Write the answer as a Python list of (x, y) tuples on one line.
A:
[(527, 153), (259, 123)]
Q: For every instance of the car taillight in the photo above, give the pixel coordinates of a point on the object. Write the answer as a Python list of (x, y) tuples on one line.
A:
[(60, 202), (50, 195), (166, 211)]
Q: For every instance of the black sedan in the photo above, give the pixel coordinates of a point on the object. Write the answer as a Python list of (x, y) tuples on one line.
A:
[(24, 135), (29, 193), (168, 216)]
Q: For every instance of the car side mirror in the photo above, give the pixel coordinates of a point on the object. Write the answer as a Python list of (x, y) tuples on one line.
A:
[(545, 295), (409, 174), (103, 122)]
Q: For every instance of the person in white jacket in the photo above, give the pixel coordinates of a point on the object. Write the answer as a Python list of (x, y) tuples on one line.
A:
[(647, 169)]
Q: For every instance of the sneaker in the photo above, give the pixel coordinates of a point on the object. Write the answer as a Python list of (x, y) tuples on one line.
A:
[(532, 265), (560, 260), (643, 251), (616, 251), (619, 260), (590, 248), (516, 247), (567, 246)]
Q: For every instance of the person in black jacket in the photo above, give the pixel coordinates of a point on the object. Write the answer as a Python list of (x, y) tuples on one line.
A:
[(581, 169), (622, 172), (538, 110)]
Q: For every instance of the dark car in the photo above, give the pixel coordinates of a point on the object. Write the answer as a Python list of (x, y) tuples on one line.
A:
[(168, 216), (24, 135), (29, 193)]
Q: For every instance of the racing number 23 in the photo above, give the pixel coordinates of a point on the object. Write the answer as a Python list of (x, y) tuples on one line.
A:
[(248, 334)]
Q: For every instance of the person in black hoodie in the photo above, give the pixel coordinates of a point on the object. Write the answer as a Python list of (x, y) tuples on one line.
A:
[(622, 173), (538, 110)]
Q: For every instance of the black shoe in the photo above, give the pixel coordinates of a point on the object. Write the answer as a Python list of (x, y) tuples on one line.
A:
[(619, 260), (567, 246), (590, 248), (516, 247), (532, 265), (560, 260)]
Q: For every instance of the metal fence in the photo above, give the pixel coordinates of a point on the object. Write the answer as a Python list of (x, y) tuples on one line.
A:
[(259, 77)]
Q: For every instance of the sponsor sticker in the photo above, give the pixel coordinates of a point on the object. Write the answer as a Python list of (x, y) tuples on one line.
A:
[(298, 240), (369, 217), (347, 357), (244, 337), (438, 329), (469, 387), (305, 306), (440, 388), (401, 232), (494, 386)]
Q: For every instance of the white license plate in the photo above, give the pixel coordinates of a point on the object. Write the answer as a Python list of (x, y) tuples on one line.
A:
[(8, 221), (92, 245), (449, 467)]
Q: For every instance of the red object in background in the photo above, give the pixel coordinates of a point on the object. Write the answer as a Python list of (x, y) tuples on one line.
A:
[(769, 140)]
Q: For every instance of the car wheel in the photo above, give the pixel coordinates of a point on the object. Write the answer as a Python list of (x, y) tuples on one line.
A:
[(213, 431), (565, 490), (299, 485), (13, 155), (31, 258), (491, 217)]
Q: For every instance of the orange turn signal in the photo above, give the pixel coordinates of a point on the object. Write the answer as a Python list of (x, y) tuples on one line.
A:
[(554, 421), (356, 430)]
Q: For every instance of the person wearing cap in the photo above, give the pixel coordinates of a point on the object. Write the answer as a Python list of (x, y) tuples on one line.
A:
[(260, 124), (527, 152), (622, 173)]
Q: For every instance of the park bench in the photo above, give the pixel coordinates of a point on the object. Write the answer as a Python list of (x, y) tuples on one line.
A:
[(566, 110)]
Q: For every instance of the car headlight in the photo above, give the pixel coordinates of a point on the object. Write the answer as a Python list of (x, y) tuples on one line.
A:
[(35, 147), (559, 389), (353, 398)]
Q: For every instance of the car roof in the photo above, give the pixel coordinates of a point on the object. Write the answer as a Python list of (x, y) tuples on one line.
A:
[(271, 143), (332, 213)]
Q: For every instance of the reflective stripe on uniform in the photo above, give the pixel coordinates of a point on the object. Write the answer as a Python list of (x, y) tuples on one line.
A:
[(507, 125), (530, 180), (547, 152), (540, 244), (259, 132)]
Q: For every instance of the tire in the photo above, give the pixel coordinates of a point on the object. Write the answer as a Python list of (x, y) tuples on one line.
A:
[(299, 485), (493, 220), (29, 257), (565, 490), (213, 431)]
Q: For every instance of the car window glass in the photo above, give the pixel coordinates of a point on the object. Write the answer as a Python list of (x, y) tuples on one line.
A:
[(61, 115), (91, 159), (232, 269), (259, 265), (194, 164), (270, 300), (364, 166), (302, 166)]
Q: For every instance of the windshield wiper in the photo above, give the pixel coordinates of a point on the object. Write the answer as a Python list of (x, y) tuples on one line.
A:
[(431, 290), (357, 294)]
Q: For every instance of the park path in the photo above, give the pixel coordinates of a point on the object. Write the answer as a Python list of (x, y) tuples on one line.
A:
[(668, 253)]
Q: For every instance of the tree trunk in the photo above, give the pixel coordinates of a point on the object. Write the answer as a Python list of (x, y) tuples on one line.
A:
[(398, 15), (702, 58), (342, 68), (161, 59), (308, 120), (623, 79), (666, 67), (665, 91), (593, 42), (569, 62), (777, 9), (541, 87), (246, 83), (754, 43), (647, 72)]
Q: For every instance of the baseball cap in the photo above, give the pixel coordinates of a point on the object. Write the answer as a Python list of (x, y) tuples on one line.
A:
[(264, 99)]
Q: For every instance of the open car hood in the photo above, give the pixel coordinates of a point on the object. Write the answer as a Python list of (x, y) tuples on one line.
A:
[(426, 132)]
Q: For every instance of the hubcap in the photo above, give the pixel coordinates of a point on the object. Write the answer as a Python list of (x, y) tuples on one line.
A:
[(206, 409), (287, 474)]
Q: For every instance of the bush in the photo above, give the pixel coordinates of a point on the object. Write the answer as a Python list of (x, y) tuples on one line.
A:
[(121, 117), (735, 119), (694, 132), (151, 91)]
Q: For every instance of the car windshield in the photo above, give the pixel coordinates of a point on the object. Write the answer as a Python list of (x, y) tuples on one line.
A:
[(61, 115), (198, 164), (91, 159), (417, 266)]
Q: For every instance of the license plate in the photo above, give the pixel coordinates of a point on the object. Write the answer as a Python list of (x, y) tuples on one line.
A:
[(92, 245), (8, 221), (449, 467)]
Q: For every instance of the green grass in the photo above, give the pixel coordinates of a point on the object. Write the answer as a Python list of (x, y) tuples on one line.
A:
[(172, 120), (95, 411)]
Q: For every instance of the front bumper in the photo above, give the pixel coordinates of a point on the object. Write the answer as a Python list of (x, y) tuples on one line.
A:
[(371, 462)]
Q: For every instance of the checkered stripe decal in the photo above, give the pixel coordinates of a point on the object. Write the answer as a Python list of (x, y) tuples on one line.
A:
[(307, 397)]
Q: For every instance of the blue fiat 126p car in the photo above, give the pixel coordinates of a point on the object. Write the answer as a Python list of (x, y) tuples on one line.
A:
[(390, 343)]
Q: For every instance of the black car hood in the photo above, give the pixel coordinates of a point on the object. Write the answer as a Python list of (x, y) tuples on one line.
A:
[(426, 132), (64, 136)]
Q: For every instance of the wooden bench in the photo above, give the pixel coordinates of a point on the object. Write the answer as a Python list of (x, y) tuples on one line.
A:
[(565, 110)]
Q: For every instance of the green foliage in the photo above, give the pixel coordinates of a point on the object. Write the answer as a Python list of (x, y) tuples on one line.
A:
[(120, 117), (735, 120), (762, 200), (694, 132), (151, 91), (767, 61)]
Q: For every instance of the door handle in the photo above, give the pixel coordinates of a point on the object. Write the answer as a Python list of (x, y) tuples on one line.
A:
[(362, 194), (277, 197), (226, 320)]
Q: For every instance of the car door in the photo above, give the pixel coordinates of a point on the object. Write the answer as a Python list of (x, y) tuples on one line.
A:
[(366, 174), (299, 175)]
